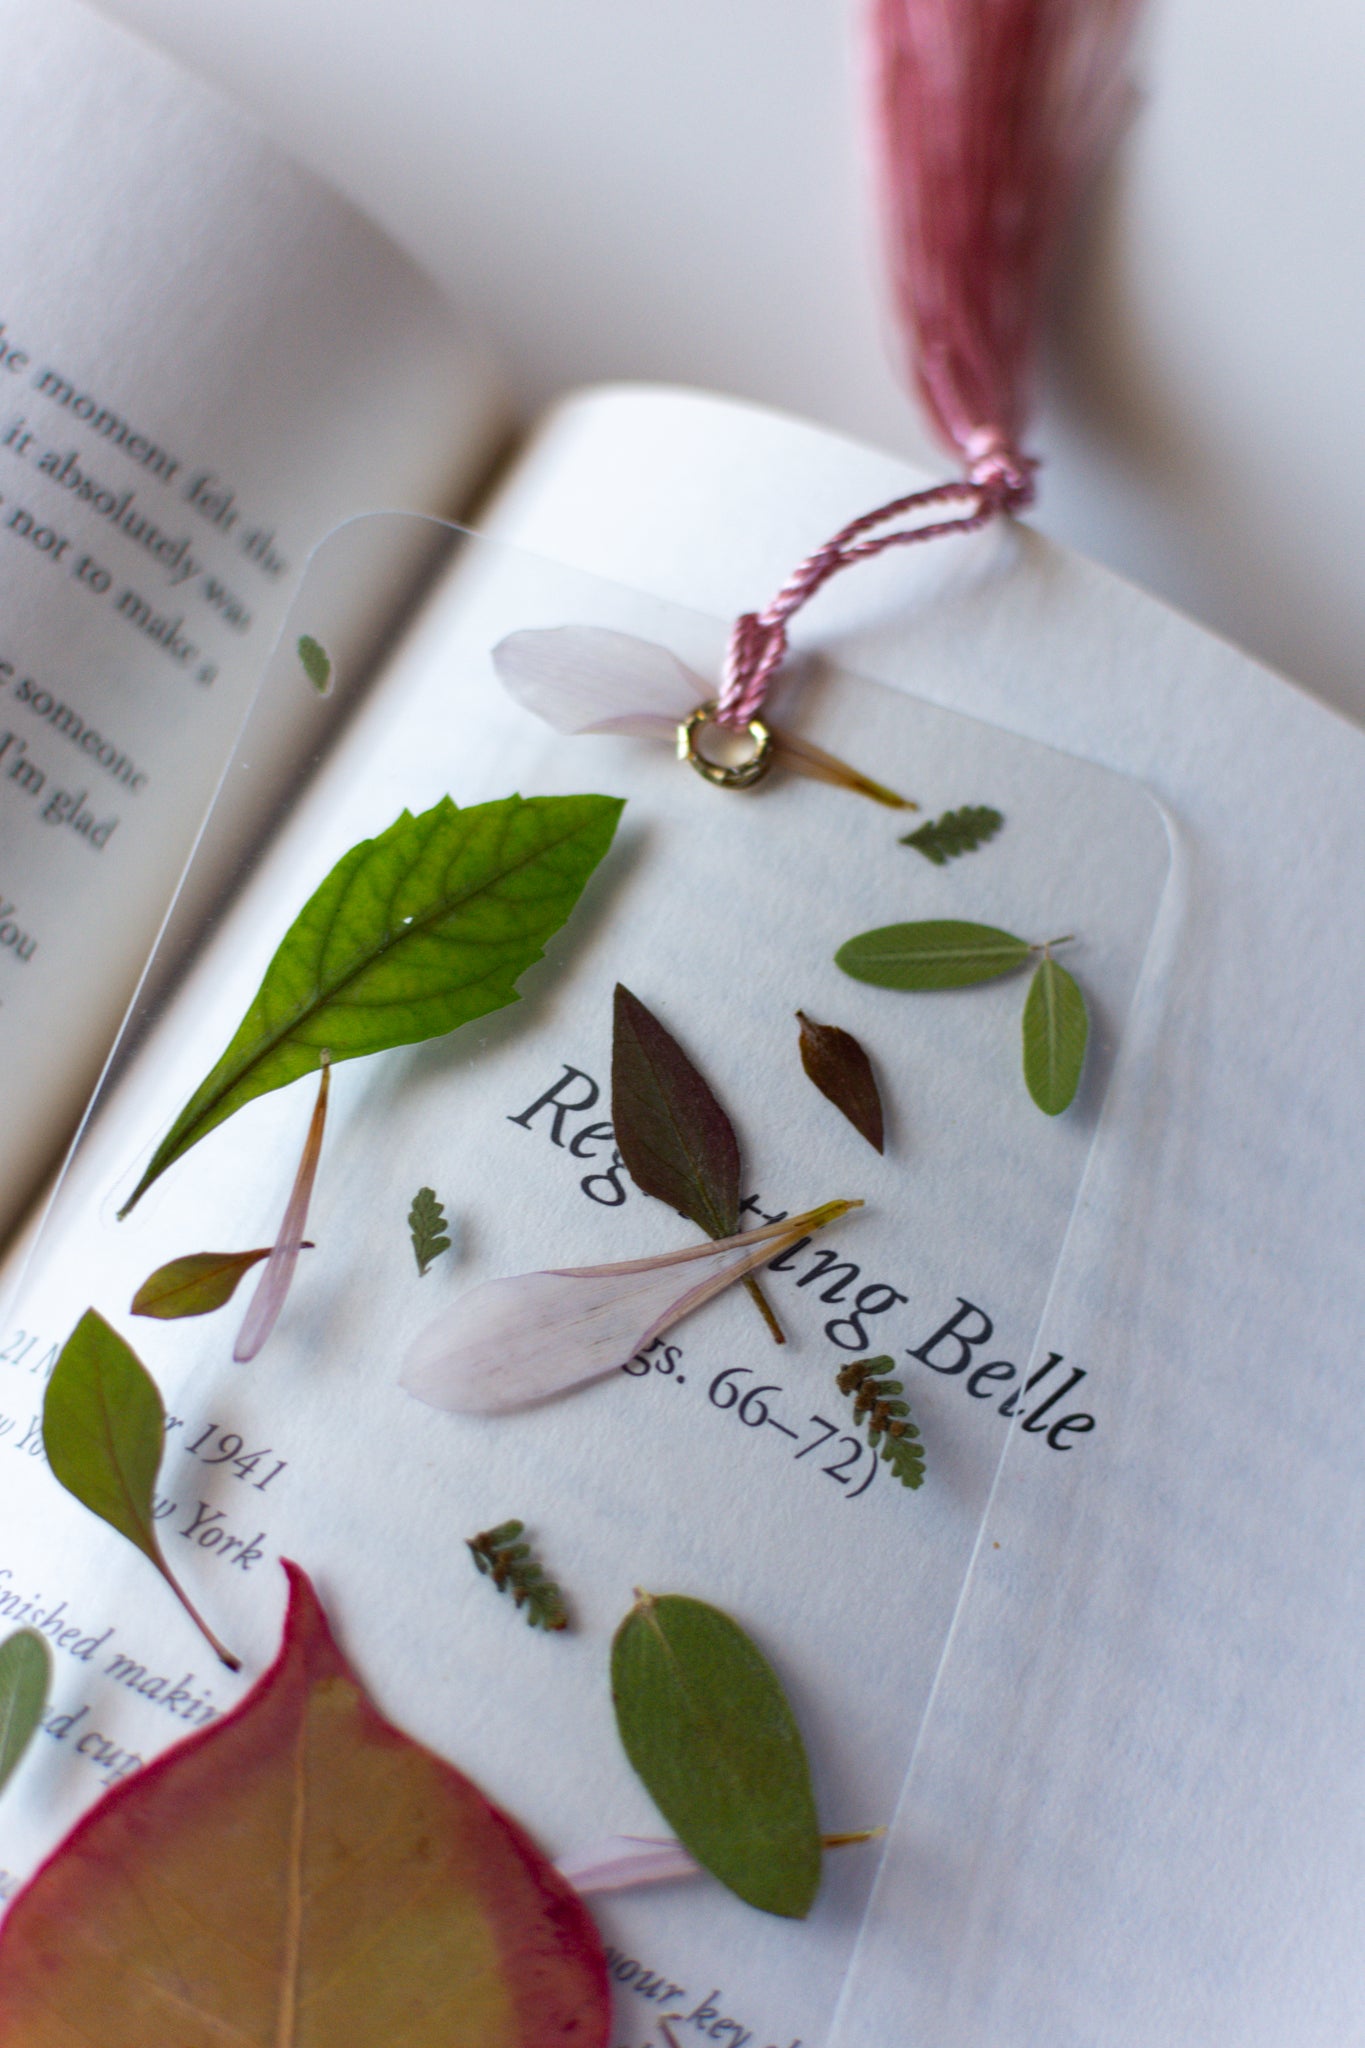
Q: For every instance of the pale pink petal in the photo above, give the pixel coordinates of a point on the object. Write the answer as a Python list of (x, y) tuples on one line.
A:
[(620, 1862), (277, 1274), (623, 1861), (511, 1342), (591, 679)]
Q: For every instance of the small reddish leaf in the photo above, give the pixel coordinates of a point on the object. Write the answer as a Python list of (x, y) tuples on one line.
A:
[(841, 1070), (301, 1873), (196, 1284)]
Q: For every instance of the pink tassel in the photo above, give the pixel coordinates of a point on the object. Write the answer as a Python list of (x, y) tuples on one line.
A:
[(990, 115)]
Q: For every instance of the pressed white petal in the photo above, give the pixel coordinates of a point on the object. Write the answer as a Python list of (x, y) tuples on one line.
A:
[(591, 679), (277, 1275), (510, 1342), (621, 1861)]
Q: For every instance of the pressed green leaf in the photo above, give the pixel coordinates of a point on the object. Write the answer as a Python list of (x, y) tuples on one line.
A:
[(25, 1675), (955, 833), (196, 1284), (878, 1403), (427, 1225), (301, 1874), (675, 1138), (940, 952), (317, 663), (413, 933), (104, 1430), (504, 1556), (840, 1068), (707, 1726), (1055, 1032)]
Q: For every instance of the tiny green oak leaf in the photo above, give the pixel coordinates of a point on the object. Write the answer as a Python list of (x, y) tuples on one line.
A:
[(955, 833), (427, 1228), (412, 934)]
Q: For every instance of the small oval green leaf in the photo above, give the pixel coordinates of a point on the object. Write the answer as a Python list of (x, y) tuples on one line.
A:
[(194, 1285), (939, 952), (707, 1726), (1055, 1032), (25, 1675)]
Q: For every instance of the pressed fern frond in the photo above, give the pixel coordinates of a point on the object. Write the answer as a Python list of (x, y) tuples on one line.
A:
[(956, 832), (512, 1565), (427, 1223), (878, 1403)]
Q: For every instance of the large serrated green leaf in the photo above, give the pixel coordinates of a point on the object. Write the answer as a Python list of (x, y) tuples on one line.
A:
[(1055, 1032), (419, 930), (25, 1675), (936, 953), (707, 1726)]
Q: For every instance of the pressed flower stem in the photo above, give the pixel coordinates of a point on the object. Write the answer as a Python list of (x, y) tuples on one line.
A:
[(788, 1227), (759, 1246), (219, 1649), (765, 1309), (803, 757)]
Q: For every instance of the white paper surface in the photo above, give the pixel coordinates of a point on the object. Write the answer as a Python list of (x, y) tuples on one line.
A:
[(722, 912), (1136, 1810), (206, 361)]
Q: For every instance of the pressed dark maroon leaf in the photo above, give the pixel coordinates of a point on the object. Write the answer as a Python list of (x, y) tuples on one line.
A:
[(675, 1138), (841, 1070)]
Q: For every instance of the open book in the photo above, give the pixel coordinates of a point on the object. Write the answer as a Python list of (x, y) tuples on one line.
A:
[(1099, 1685)]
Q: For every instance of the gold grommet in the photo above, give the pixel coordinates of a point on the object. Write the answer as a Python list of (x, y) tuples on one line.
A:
[(741, 774)]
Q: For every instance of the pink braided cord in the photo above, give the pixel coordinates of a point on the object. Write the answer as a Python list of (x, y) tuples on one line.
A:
[(1000, 480)]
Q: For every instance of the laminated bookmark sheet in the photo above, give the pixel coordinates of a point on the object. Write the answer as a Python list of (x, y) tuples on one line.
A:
[(717, 1463)]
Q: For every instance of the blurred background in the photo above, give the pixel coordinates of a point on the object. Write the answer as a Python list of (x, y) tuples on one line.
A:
[(678, 190)]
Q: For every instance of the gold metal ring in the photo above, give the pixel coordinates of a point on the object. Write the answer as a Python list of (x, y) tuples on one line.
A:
[(739, 775)]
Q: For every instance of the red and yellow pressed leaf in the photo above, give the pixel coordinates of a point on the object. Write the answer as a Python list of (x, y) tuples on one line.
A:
[(300, 1875)]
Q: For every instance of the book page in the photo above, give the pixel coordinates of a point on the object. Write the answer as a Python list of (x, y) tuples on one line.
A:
[(1129, 1810), (206, 361), (715, 1463)]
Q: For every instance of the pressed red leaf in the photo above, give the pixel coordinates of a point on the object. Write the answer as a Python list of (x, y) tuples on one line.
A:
[(841, 1070), (301, 1875)]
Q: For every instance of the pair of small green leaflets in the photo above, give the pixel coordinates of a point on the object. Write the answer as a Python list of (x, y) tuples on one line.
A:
[(943, 953)]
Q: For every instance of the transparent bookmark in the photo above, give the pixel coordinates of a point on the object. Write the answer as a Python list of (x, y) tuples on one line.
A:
[(716, 1463)]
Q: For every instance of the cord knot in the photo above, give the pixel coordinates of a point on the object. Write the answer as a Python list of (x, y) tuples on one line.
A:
[(758, 646)]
